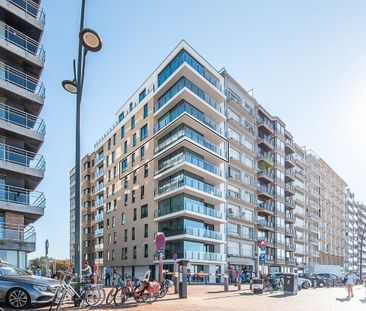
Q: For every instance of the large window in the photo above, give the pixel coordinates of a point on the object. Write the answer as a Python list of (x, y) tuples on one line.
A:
[(133, 122), (144, 211), (142, 95), (124, 165), (144, 132), (146, 110)]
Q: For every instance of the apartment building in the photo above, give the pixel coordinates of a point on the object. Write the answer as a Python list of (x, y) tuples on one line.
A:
[(22, 132), (193, 155), (361, 265), (352, 251), (241, 176)]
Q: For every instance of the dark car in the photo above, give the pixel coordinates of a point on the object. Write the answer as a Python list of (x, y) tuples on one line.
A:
[(19, 289), (314, 278)]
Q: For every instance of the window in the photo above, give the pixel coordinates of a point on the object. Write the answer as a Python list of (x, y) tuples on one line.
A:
[(125, 147), (124, 165), (146, 250), (122, 131), (133, 156), (146, 231), (146, 170), (126, 199), (126, 182), (134, 252), (142, 95), (114, 172), (246, 250), (133, 236), (109, 143), (134, 177), (126, 235), (144, 211), (142, 151), (113, 189), (133, 196), (109, 175), (113, 222), (121, 116), (134, 214), (114, 139), (113, 258), (123, 220), (144, 132), (142, 192), (124, 253), (134, 140), (131, 106), (146, 110), (113, 156), (133, 122)]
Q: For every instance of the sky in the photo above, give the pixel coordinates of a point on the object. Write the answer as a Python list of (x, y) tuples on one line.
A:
[(305, 60)]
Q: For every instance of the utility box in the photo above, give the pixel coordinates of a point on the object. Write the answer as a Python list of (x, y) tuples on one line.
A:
[(257, 286), (290, 283)]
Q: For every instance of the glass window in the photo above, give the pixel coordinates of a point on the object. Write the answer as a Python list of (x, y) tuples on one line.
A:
[(122, 131), (134, 214), (114, 139), (146, 110), (134, 140), (133, 122), (142, 95), (123, 220), (142, 151), (146, 250), (124, 165), (121, 116), (146, 230), (144, 132), (125, 146), (144, 211)]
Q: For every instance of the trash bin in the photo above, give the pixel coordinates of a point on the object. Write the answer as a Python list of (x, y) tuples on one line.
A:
[(290, 284), (257, 286)]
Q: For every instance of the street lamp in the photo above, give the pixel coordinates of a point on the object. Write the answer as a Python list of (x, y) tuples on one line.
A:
[(47, 244), (89, 40)]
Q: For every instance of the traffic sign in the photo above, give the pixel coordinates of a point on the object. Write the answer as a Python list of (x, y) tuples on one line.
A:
[(263, 248), (262, 243), (160, 250), (160, 241), (262, 258), (175, 256)]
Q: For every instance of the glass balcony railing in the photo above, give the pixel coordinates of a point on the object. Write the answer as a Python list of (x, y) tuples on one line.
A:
[(266, 223), (185, 107), (187, 157), (195, 255), (21, 118), (22, 41), (199, 232), (191, 207), (99, 217), (22, 157), (187, 133), (99, 158), (189, 182), (30, 7), (22, 196), (98, 173), (17, 233), (99, 187), (22, 80), (99, 232), (99, 202), (265, 207)]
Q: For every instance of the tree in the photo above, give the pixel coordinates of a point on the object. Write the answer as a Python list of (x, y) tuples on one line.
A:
[(54, 264)]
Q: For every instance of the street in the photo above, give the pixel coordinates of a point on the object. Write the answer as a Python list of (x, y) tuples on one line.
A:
[(214, 298)]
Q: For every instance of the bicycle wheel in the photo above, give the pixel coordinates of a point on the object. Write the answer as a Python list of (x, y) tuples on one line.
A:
[(92, 296), (64, 292), (121, 296), (163, 291), (111, 295), (149, 297)]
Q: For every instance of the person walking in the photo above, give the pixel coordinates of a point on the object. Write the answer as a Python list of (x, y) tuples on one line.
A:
[(108, 273), (38, 271), (350, 281)]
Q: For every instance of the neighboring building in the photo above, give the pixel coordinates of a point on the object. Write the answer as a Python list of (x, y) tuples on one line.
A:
[(361, 265), (351, 260), (22, 131), (193, 155)]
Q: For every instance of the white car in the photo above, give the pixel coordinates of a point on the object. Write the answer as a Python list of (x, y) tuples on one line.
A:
[(302, 282)]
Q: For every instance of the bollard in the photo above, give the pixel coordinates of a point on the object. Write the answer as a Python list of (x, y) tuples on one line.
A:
[(239, 284), (226, 283), (183, 279), (176, 282)]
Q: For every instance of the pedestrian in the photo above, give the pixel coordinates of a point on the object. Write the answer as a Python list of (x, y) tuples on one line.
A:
[(108, 273), (38, 271), (87, 270), (189, 276), (350, 281), (238, 281)]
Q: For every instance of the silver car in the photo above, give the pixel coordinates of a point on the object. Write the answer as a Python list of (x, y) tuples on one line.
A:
[(19, 289)]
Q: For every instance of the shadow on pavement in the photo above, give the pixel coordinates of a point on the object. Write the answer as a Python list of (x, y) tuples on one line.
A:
[(363, 300), (343, 299)]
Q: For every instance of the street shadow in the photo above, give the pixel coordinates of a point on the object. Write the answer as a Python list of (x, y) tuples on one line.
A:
[(343, 299), (280, 296), (363, 300), (222, 291)]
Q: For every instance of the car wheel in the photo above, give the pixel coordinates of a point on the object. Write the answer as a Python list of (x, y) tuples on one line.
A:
[(18, 298), (321, 284), (305, 285)]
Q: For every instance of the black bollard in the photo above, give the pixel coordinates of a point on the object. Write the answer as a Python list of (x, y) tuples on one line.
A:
[(183, 278)]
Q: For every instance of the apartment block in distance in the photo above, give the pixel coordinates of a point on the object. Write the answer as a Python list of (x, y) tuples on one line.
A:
[(193, 155), (22, 132)]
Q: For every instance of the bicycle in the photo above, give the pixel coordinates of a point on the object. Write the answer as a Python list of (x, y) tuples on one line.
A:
[(89, 294), (115, 289), (164, 287)]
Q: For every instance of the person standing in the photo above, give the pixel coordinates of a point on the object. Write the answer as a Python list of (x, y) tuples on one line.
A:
[(108, 273), (350, 281), (38, 271)]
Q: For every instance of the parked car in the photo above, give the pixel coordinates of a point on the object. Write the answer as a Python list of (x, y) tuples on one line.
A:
[(19, 289), (320, 282), (302, 282)]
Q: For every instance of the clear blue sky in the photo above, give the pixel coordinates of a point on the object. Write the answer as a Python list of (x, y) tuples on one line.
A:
[(306, 61)]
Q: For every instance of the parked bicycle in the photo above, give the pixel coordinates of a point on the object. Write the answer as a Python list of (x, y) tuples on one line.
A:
[(164, 287), (115, 289)]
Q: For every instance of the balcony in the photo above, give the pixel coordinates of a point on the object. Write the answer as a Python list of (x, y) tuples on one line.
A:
[(289, 175), (17, 237), (98, 173), (264, 158), (265, 225), (265, 208), (204, 256), (21, 123), (265, 125), (31, 203), (289, 231), (289, 146), (290, 161), (191, 184), (265, 143), (241, 235), (290, 189), (99, 247), (239, 215), (21, 84), (191, 209), (98, 159), (265, 175), (289, 203), (265, 192), (189, 134), (290, 247), (31, 8), (99, 188), (290, 217), (313, 240), (99, 203), (99, 232), (290, 261), (18, 43), (99, 217), (195, 233)]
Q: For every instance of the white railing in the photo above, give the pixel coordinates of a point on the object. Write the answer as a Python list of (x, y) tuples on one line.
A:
[(22, 196), (22, 157), (32, 8)]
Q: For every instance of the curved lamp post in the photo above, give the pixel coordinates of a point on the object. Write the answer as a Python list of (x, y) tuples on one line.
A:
[(89, 40)]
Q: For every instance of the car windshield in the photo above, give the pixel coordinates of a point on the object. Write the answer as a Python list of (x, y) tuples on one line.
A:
[(6, 270)]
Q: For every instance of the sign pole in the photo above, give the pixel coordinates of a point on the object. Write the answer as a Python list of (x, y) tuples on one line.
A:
[(161, 267)]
